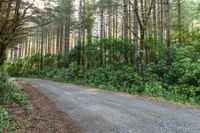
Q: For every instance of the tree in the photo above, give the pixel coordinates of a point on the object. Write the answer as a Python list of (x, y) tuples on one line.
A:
[(179, 21), (166, 5), (13, 15)]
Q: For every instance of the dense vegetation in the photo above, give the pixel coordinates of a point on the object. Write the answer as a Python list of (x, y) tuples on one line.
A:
[(150, 47), (146, 47), (11, 95), (102, 64)]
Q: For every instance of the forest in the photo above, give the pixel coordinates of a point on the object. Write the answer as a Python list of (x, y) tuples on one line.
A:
[(149, 47), (145, 47)]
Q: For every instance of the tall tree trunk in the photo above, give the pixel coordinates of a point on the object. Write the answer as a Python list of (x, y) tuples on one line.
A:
[(67, 34), (125, 27), (41, 51), (49, 40), (61, 38), (102, 23), (161, 20), (116, 17), (180, 37), (154, 22), (167, 25), (80, 21), (58, 40), (109, 18), (135, 37), (2, 52)]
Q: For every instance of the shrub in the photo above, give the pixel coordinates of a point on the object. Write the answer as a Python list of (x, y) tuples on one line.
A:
[(10, 91), (4, 119), (154, 89)]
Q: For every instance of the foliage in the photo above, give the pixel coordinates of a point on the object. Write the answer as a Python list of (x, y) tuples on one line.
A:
[(4, 119), (180, 81), (102, 53), (9, 93)]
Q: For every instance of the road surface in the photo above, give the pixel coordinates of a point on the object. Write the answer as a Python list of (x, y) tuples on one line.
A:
[(100, 111)]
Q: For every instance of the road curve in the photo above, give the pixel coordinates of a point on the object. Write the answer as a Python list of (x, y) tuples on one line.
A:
[(101, 111)]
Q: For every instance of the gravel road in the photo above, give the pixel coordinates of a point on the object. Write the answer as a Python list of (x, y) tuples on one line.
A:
[(100, 111)]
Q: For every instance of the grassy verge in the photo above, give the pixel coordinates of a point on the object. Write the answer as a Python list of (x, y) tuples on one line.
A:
[(14, 106)]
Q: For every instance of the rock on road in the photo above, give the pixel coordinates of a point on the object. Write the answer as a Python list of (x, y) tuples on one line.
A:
[(100, 111)]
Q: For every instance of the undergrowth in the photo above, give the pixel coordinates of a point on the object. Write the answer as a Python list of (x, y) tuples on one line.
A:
[(11, 95)]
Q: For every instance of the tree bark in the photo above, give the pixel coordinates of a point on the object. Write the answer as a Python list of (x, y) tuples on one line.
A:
[(125, 28), (179, 22), (2, 52), (135, 35), (167, 25)]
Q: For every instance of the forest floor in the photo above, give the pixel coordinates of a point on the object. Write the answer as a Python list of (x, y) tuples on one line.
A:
[(100, 111), (45, 117)]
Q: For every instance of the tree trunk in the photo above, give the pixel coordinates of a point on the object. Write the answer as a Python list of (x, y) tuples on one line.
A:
[(154, 22), (102, 23), (58, 40), (61, 39), (42, 51), (125, 27), (2, 53), (109, 18), (166, 5), (180, 39), (67, 34), (135, 37)]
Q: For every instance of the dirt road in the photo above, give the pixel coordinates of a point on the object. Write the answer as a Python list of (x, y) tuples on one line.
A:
[(100, 111)]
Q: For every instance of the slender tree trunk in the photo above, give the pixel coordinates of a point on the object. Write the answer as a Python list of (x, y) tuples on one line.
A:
[(109, 18), (41, 51), (2, 53), (126, 27), (58, 40), (49, 40), (80, 21), (161, 20), (102, 23), (180, 37), (67, 32), (135, 35), (166, 4), (154, 22), (116, 17), (61, 39)]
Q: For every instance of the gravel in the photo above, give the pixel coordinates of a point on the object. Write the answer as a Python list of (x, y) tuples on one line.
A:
[(101, 111)]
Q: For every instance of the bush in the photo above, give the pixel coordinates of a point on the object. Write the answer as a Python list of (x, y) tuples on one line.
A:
[(4, 119), (10, 92), (154, 89)]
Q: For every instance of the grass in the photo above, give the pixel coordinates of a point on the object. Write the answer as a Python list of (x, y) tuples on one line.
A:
[(13, 102)]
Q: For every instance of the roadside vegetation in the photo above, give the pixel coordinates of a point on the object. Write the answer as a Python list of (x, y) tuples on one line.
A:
[(146, 47), (178, 82), (24, 109), (12, 100)]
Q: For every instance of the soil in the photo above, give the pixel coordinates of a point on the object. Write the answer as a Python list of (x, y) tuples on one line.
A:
[(45, 117)]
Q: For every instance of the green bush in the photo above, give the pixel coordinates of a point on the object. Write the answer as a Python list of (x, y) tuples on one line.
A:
[(10, 91), (4, 119), (154, 89)]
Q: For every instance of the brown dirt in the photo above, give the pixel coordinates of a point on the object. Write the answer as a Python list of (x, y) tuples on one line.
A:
[(46, 118)]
